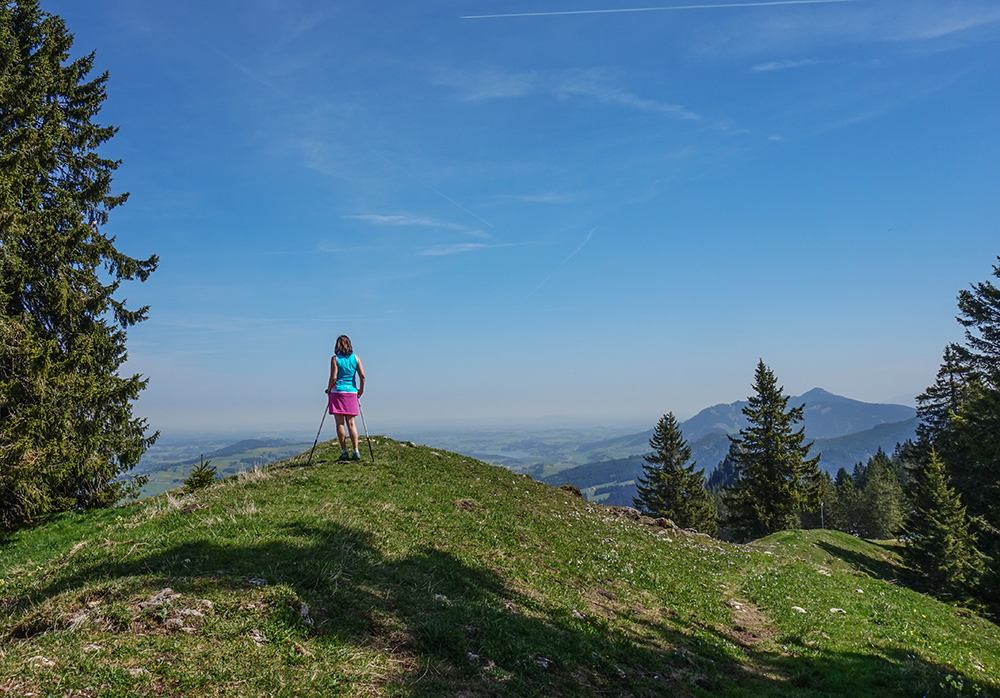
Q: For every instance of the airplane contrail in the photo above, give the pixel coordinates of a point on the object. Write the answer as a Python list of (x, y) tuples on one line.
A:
[(660, 9), (578, 248)]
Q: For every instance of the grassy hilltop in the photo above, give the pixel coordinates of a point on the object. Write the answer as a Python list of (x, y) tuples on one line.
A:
[(433, 574)]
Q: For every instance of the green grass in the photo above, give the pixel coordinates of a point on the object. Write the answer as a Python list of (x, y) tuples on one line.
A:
[(433, 574)]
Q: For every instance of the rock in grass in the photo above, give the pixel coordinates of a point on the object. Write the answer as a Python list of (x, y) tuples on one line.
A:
[(160, 598), (467, 504), (572, 489)]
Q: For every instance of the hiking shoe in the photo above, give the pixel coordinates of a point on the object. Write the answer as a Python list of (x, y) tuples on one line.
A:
[(356, 456), (344, 455)]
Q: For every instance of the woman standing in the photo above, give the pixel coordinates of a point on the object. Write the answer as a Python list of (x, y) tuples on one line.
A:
[(344, 394)]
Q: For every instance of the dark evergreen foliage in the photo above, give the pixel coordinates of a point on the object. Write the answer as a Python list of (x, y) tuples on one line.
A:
[(938, 404), (66, 427), (940, 548), (775, 478), (842, 513), (843, 478), (979, 313), (878, 510), (823, 516), (671, 488), (871, 502), (723, 476), (961, 423), (975, 474), (202, 475)]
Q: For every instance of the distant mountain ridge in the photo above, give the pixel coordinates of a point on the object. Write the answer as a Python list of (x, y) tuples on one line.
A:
[(826, 416), (843, 432)]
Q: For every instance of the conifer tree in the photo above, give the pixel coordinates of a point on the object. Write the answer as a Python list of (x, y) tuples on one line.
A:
[(201, 476), (671, 488), (938, 404), (842, 514), (775, 477), (974, 470), (66, 427), (721, 477), (878, 511), (825, 515), (940, 547), (963, 425), (979, 313)]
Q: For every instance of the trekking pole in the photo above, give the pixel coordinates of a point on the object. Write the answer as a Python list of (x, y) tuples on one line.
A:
[(317, 435), (366, 431)]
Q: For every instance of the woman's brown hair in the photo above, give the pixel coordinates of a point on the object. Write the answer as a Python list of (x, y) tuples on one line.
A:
[(343, 346)]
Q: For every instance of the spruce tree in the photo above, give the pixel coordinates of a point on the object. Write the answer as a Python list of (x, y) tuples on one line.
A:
[(775, 477), (66, 427), (843, 512), (938, 404), (671, 488), (940, 548), (974, 469), (979, 313), (878, 509), (960, 422), (201, 476), (824, 516)]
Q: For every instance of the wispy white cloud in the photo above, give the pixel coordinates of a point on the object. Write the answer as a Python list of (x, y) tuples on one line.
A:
[(543, 198), (459, 248), (597, 84), (784, 65), (945, 20), (856, 23), (398, 220), (401, 220)]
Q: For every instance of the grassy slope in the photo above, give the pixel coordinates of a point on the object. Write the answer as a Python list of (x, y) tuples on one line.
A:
[(432, 574)]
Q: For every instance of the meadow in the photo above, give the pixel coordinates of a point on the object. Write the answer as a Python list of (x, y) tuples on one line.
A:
[(430, 573)]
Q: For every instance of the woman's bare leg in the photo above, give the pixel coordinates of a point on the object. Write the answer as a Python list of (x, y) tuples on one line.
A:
[(354, 431), (341, 432)]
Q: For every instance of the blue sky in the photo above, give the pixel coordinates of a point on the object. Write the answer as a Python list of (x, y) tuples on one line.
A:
[(600, 217)]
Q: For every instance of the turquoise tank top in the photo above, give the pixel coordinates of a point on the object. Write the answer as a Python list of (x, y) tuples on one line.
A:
[(347, 367)]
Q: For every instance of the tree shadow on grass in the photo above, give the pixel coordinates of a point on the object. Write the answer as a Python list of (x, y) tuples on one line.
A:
[(885, 569), (457, 629)]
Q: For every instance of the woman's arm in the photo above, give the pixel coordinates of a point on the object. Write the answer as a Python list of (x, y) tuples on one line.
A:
[(361, 374), (333, 374)]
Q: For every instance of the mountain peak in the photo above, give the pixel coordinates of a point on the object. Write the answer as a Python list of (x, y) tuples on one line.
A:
[(819, 393), (826, 416)]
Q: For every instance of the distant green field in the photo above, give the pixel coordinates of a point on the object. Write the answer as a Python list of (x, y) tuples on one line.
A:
[(168, 475)]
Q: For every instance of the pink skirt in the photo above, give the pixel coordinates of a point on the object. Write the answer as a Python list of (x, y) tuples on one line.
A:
[(344, 403)]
